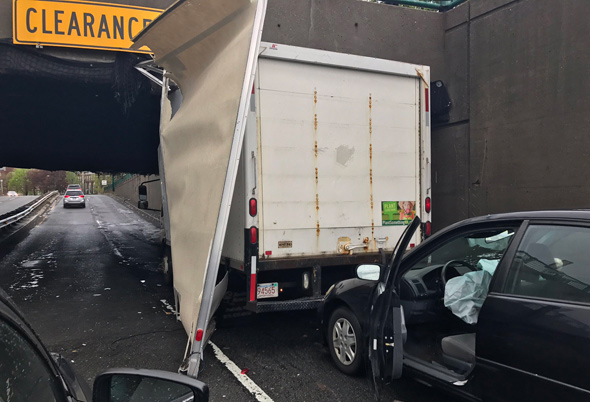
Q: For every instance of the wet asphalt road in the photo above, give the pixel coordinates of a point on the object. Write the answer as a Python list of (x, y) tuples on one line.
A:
[(8, 204), (88, 281)]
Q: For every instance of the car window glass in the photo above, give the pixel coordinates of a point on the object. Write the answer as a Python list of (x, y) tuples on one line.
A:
[(481, 249), (552, 262), (23, 375), (74, 193)]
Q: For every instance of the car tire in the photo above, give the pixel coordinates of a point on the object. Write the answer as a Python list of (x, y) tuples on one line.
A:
[(345, 340)]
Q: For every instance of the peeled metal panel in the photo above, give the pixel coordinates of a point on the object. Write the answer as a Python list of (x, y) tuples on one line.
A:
[(326, 133), (233, 247), (209, 50)]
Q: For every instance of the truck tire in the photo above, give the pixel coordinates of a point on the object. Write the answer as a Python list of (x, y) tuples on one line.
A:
[(345, 340)]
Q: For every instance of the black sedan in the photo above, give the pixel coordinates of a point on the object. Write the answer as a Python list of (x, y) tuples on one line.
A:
[(495, 308), (29, 373)]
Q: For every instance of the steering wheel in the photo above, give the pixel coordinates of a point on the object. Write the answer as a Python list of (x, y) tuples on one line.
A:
[(443, 272)]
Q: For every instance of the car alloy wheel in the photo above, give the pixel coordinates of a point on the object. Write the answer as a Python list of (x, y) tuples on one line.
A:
[(345, 341)]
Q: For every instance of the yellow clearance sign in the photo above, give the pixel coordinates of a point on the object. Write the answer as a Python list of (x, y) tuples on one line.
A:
[(81, 24)]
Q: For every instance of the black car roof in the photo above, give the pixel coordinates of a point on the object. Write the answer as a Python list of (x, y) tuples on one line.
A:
[(572, 214), (554, 215)]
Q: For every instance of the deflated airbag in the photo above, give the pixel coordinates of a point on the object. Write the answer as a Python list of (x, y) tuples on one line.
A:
[(464, 295)]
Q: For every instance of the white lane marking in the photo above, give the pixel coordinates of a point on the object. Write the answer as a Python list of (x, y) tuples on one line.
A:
[(116, 251), (246, 381)]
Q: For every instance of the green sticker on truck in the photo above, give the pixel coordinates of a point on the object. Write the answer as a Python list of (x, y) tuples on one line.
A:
[(397, 212)]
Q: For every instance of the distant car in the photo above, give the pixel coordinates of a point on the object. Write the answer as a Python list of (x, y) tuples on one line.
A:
[(29, 373), (495, 308), (12, 194), (74, 198), (74, 187)]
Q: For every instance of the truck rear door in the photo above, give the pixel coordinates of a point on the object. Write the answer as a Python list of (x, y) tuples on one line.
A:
[(341, 148)]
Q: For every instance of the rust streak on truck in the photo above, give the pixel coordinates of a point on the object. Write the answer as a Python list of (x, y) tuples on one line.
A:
[(371, 163), (315, 136)]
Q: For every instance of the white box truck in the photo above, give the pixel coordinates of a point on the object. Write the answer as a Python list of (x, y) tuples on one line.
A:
[(286, 166), (335, 163)]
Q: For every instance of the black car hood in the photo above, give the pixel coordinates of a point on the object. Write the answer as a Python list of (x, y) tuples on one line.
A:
[(356, 293)]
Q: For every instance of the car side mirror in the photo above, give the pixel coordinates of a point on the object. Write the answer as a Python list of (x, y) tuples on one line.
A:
[(142, 190), (142, 203), (368, 272), (131, 385)]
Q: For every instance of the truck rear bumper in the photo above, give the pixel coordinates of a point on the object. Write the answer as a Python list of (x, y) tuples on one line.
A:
[(277, 264), (308, 303)]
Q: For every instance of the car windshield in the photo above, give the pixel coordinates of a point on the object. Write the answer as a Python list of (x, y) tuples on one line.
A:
[(74, 193)]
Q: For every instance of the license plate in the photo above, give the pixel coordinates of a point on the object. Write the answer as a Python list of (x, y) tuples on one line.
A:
[(267, 290)]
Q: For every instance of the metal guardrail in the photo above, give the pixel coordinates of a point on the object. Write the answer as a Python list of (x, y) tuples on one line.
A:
[(18, 216), (122, 179)]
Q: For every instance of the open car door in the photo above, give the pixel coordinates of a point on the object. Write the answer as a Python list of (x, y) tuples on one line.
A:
[(386, 323)]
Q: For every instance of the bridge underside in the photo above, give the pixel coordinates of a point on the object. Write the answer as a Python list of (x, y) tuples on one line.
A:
[(63, 109)]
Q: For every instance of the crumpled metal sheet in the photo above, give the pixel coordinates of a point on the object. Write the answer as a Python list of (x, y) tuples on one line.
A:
[(204, 47)]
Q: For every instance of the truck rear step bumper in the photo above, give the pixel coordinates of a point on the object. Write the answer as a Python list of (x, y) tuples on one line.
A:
[(308, 303)]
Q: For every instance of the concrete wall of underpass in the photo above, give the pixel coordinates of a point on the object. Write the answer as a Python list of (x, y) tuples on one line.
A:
[(517, 74), (129, 190)]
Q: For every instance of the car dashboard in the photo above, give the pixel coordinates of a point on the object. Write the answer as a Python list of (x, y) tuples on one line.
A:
[(423, 283), (421, 294)]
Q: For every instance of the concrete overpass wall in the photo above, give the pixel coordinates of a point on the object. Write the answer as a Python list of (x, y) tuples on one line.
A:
[(357, 27), (76, 109), (128, 190), (516, 72)]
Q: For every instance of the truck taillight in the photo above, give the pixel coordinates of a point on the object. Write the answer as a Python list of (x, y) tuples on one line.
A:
[(427, 229), (253, 207), (427, 205), (426, 100), (253, 235), (199, 336)]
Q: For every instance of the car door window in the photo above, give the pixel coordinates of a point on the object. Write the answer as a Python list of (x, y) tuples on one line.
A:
[(460, 270), (481, 249), (552, 262), (24, 376)]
